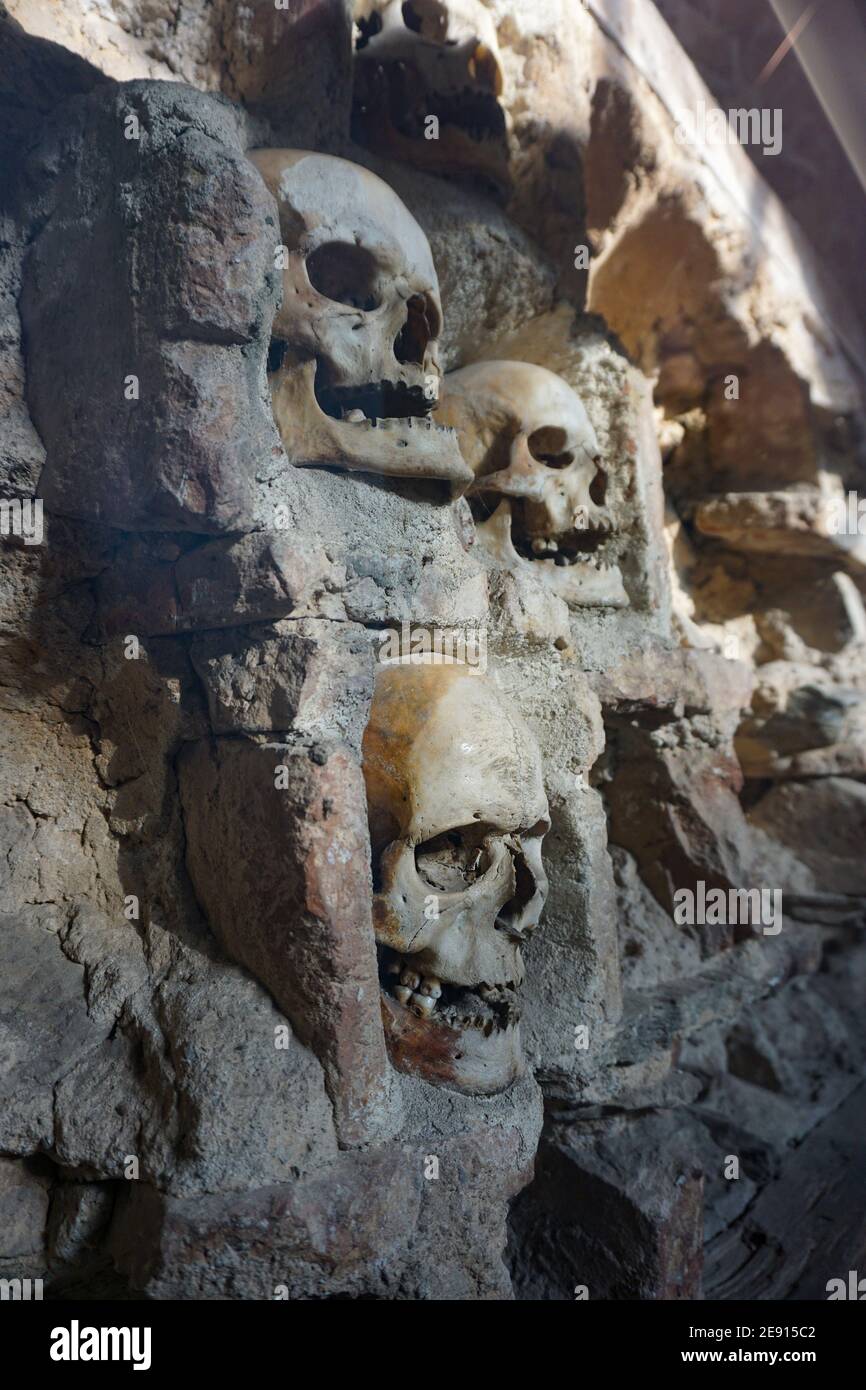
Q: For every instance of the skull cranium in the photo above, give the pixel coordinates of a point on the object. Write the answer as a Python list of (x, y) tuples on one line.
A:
[(457, 816), (354, 366), (538, 492), (423, 59)]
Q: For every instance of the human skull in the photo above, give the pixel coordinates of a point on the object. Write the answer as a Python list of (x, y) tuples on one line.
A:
[(418, 59), (457, 815), (539, 490), (354, 363)]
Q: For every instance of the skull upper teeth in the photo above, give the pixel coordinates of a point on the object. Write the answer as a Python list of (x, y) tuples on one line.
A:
[(422, 994), (422, 1005), (413, 992)]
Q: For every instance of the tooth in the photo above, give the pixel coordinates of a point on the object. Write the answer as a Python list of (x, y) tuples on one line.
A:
[(402, 994), (410, 978), (430, 985), (422, 1005), (355, 416), (393, 967), (538, 545)]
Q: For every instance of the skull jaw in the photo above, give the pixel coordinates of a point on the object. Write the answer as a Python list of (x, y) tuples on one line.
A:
[(396, 447), (454, 153), (581, 585), (462, 1059), (378, 98)]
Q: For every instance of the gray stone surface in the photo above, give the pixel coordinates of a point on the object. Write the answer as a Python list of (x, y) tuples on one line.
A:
[(171, 203)]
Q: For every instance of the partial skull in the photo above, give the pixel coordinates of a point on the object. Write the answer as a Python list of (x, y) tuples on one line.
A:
[(427, 81), (457, 816), (354, 362), (539, 486)]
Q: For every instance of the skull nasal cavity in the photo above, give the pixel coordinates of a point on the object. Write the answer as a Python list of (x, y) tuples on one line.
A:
[(598, 487), (428, 18), (344, 272), (510, 914), (410, 345), (368, 29), (548, 446)]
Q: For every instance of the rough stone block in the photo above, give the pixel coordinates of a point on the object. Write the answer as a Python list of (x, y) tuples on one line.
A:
[(24, 1199), (283, 875), (182, 228), (618, 1212), (310, 676)]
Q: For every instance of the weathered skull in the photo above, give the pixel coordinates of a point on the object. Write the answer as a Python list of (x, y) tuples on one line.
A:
[(354, 367), (539, 491), (457, 816), (431, 58)]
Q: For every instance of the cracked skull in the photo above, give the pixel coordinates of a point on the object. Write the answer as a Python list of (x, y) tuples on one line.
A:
[(457, 816), (354, 366), (538, 494), (422, 59)]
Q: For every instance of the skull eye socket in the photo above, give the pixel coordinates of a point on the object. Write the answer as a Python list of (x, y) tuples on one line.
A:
[(547, 445), (346, 273), (454, 860), (428, 18), (419, 330)]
